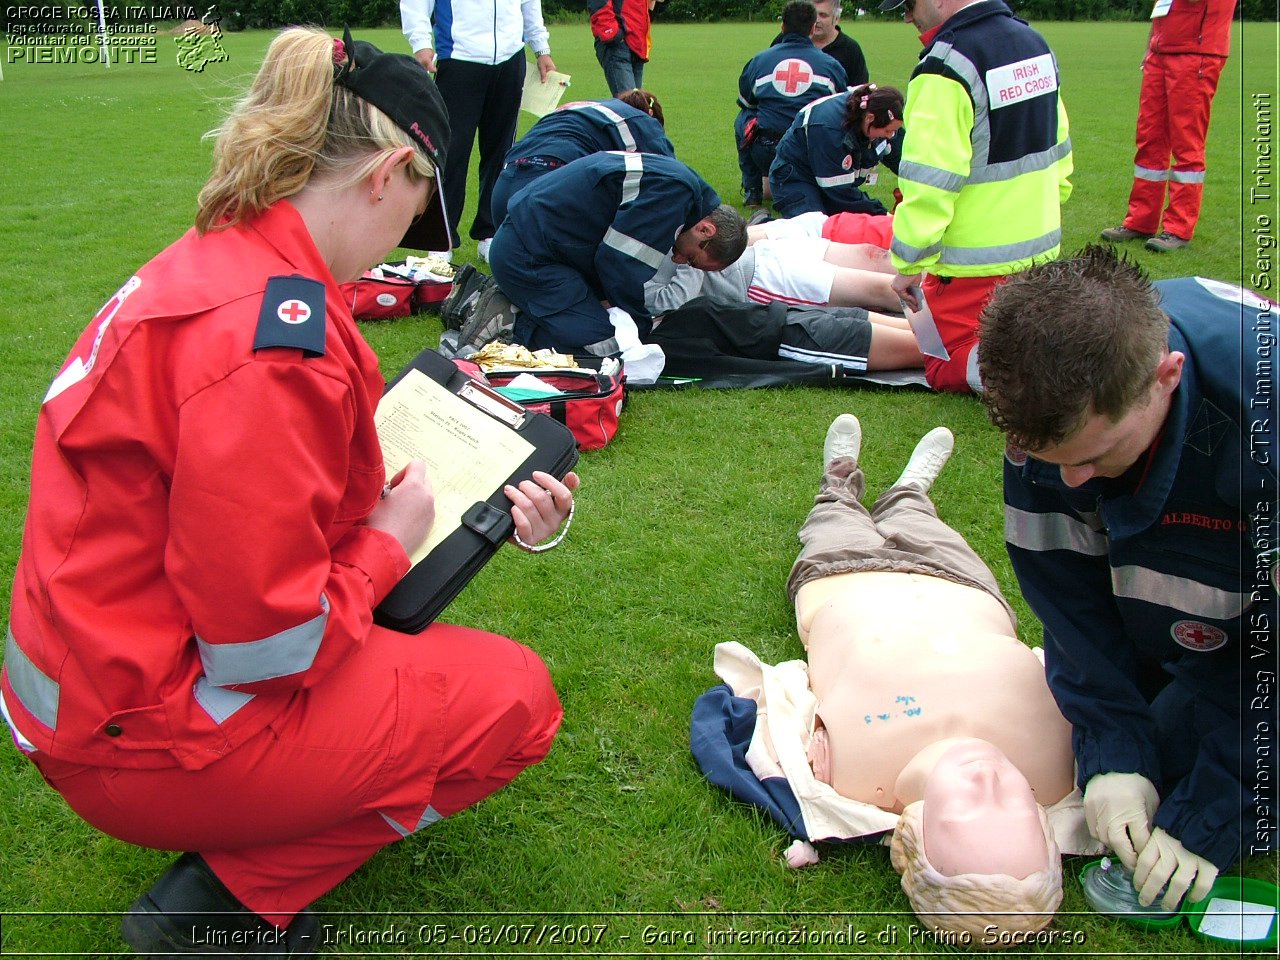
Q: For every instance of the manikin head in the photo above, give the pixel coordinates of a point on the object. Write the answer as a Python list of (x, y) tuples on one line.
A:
[(714, 242), (976, 854)]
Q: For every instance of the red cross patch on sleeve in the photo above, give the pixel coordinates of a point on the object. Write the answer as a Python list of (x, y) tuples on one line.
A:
[(292, 315)]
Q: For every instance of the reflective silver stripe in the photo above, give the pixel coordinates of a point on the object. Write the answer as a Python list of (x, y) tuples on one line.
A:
[(36, 691), (631, 179), (429, 816), (1031, 163), (1146, 173), (1051, 531), (972, 375), (1190, 597), (1002, 253), (912, 254), (219, 702), (634, 248), (1187, 176), (287, 652), (850, 177), (603, 348), (815, 80), (931, 176), (624, 132), (963, 67)]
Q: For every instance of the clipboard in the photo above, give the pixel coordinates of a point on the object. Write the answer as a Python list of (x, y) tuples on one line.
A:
[(439, 576)]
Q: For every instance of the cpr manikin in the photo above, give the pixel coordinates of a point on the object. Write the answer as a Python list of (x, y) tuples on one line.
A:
[(928, 704)]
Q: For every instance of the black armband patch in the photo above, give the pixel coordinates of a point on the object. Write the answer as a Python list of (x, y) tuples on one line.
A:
[(292, 315)]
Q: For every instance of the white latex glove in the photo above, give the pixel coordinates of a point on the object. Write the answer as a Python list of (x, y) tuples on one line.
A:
[(1165, 860), (1118, 808)]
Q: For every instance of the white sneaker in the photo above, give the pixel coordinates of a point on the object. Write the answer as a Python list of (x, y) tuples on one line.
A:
[(445, 255), (927, 460), (482, 248), (844, 439)]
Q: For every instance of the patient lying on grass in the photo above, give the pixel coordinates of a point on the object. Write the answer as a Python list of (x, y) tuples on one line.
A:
[(927, 703)]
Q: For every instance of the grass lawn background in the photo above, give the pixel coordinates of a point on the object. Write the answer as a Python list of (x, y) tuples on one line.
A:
[(684, 535)]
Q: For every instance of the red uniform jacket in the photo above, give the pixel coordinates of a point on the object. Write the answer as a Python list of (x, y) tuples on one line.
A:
[(1203, 27), (628, 17), (193, 551)]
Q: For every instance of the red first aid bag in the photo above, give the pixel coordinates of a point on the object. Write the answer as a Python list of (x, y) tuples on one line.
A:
[(588, 401), (381, 296)]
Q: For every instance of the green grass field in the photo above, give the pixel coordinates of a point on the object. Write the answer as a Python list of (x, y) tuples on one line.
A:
[(684, 534)]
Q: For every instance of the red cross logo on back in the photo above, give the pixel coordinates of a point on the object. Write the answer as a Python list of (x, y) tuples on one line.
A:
[(293, 311), (792, 77)]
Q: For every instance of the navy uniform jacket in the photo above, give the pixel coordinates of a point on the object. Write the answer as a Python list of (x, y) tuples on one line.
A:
[(581, 129), (1178, 570), (821, 166), (845, 51), (777, 82), (613, 218)]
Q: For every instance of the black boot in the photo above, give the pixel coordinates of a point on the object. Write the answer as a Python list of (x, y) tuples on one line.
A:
[(189, 912)]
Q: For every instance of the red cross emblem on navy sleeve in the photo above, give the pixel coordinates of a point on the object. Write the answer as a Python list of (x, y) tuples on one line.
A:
[(292, 315)]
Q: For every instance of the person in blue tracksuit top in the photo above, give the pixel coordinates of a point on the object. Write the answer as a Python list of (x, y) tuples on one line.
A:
[(774, 85), (592, 232), (632, 122), (832, 148), (1140, 515)]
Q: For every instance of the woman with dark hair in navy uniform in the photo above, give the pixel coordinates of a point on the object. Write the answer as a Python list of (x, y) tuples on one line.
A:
[(833, 147)]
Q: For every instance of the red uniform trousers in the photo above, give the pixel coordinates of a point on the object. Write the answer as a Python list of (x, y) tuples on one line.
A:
[(956, 303), (409, 730), (1173, 120)]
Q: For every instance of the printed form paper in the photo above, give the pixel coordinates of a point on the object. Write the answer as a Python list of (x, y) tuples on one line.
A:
[(468, 453), (541, 98)]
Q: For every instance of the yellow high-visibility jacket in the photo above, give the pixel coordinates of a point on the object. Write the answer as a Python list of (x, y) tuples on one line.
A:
[(987, 155)]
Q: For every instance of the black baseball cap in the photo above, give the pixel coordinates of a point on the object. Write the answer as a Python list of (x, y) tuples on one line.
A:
[(400, 87)]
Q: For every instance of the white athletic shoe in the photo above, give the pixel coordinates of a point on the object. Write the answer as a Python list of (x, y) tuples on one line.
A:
[(927, 460), (445, 255), (482, 248), (844, 439)]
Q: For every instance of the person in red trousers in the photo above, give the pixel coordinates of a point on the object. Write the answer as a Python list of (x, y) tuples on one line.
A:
[(1190, 40)]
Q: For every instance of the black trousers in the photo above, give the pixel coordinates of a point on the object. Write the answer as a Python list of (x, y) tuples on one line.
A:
[(485, 99)]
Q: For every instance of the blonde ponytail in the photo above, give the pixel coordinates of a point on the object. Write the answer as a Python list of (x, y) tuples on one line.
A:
[(292, 125)]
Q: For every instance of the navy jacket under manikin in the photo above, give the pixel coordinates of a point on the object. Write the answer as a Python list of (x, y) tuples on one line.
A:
[(613, 217), (1178, 570)]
